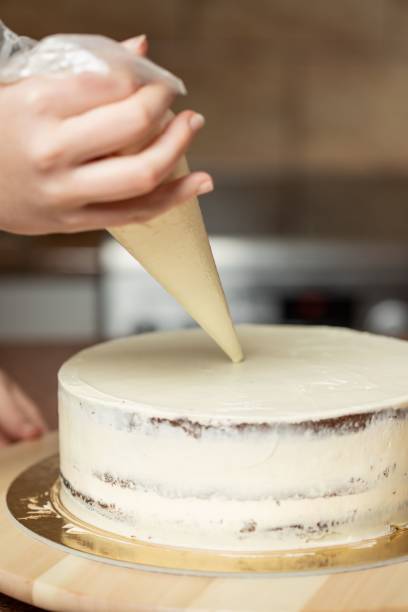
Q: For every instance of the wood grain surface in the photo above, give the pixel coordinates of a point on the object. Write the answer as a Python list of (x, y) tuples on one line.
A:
[(51, 579)]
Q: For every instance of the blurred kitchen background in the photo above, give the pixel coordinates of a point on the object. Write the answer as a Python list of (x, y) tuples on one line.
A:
[(307, 138)]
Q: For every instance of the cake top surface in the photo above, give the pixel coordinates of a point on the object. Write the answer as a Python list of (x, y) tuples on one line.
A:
[(290, 373)]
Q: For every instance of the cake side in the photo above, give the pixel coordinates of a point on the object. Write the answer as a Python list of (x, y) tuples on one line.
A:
[(235, 489), (210, 479)]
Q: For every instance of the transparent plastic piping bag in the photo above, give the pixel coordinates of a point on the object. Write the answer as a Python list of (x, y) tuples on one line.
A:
[(10, 44), (22, 57)]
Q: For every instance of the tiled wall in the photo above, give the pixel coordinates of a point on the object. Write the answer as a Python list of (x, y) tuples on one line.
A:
[(288, 87)]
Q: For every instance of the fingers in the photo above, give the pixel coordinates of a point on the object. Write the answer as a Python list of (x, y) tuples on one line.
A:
[(66, 95), (129, 176), (12, 421), (110, 128), (15, 422), (144, 208), (29, 408)]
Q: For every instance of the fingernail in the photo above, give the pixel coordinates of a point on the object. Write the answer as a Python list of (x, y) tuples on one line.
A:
[(140, 40), (137, 41), (196, 121), (205, 187)]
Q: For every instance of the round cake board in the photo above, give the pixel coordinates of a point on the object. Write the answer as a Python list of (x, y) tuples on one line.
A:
[(55, 580)]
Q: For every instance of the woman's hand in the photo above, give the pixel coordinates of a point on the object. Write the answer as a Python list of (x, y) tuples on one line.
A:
[(20, 418), (80, 152)]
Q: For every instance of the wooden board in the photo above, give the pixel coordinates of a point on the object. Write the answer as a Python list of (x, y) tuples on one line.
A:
[(51, 579)]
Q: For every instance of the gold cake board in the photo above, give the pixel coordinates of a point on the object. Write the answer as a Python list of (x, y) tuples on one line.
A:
[(52, 578)]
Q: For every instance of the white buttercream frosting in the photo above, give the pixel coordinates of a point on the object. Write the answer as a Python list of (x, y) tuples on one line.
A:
[(163, 440), (291, 372)]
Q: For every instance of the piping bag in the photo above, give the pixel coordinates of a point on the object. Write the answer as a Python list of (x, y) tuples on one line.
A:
[(174, 247)]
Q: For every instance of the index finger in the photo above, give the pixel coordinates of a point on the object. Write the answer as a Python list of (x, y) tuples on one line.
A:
[(67, 95)]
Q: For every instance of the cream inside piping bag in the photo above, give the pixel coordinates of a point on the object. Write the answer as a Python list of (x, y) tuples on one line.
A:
[(173, 248)]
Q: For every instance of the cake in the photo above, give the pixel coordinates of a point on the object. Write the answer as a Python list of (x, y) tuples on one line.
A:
[(305, 443)]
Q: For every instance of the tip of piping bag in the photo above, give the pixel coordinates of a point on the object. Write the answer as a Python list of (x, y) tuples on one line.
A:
[(227, 339), (238, 356), (232, 348)]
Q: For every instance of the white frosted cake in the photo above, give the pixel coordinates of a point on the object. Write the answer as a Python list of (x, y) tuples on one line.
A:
[(305, 443)]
